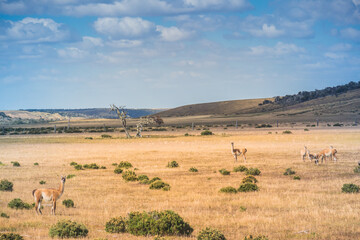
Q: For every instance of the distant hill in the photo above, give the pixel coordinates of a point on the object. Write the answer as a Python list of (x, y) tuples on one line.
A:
[(96, 112), (331, 101)]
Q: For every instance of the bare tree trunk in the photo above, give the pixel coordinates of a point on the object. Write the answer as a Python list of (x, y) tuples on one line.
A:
[(122, 114)]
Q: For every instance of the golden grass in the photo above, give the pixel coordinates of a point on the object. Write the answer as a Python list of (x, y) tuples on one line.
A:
[(312, 208)]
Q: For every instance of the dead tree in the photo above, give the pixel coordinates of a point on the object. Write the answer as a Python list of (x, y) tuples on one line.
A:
[(123, 115), (143, 122)]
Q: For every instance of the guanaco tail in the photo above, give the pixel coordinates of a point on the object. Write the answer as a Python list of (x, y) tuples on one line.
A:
[(49, 195)]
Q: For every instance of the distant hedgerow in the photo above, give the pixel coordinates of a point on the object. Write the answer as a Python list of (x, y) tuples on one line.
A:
[(210, 234)]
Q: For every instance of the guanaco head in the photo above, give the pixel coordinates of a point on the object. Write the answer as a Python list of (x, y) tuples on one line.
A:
[(63, 179)]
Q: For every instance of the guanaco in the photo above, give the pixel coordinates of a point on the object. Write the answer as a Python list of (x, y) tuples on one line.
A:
[(49, 195), (236, 152)]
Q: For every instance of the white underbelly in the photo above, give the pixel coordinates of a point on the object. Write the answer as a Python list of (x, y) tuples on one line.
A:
[(47, 198)]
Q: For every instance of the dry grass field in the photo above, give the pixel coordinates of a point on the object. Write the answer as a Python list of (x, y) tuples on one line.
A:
[(283, 208)]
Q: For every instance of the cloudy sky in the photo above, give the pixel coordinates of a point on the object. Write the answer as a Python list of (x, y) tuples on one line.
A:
[(167, 53)]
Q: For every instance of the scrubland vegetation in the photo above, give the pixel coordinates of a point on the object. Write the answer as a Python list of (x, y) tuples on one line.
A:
[(259, 199)]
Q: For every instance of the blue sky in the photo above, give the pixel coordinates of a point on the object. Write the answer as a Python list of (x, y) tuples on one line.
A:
[(163, 54)]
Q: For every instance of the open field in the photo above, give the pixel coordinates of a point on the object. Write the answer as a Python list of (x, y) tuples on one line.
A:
[(312, 208)]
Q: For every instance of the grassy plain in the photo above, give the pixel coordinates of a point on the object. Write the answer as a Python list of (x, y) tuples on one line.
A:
[(310, 208)]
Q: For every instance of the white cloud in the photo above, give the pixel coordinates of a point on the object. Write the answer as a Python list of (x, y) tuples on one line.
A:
[(350, 33), (89, 42), (279, 49), (35, 30), (341, 47), (173, 34), (72, 53), (217, 4), (124, 43), (269, 31), (334, 56), (126, 27)]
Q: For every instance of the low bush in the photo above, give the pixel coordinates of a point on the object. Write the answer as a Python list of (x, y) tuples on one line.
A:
[(357, 169), (68, 203), (78, 167), (350, 188), (287, 132), (106, 136), (263, 126), (68, 229), (338, 125), (157, 223), (261, 237), (242, 208), (240, 169), (89, 138), (4, 215), (172, 164), (253, 171), (114, 164), (248, 187), (154, 180), (91, 166), (73, 164), (160, 185), (223, 171), (228, 190), (6, 185), (143, 177), (129, 176), (249, 179), (10, 236), (17, 203), (192, 169), (15, 164), (306, 130), (102, 167), (297, 178), (70, 176), (118, 170), (289, 172), (36, 164), (42, 182), (125, 164), (206, 132), (116, 225), (210, 234)]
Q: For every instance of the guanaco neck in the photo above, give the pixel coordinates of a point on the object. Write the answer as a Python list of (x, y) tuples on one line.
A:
[(61, 188), (232, 147)]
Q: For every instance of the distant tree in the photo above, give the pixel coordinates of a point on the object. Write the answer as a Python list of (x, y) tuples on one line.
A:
[(123, 115), (143, 122)]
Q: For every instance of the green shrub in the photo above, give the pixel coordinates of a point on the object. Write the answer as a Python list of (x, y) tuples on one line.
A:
[(102, 167), (287, 132), (125, 164), (172, 164), (17, 203), (115, 225), (224, 171), (106, 136), (4, 215), (89, 138), (15, 164), (143, 177), (249, 179), (206, 132), (240, 169), (114, 164), (68, 203), (253, 171), (338, 125), (210, 234), (297, 178), (357, 169), (10, 236), (160, 185), (186, 134), (157, 223), (306, 130), (228, 190), (42, 182), (118, 170), (261, 237), (192, 169), (350, 188), (289, 172), (36, 164), (91, 166), (73, 164), (154, 180), (70, 176), (248, 187), (129, 176), (68, 229), (1, 164), (6, 185), (242, 208), (78, 167)]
